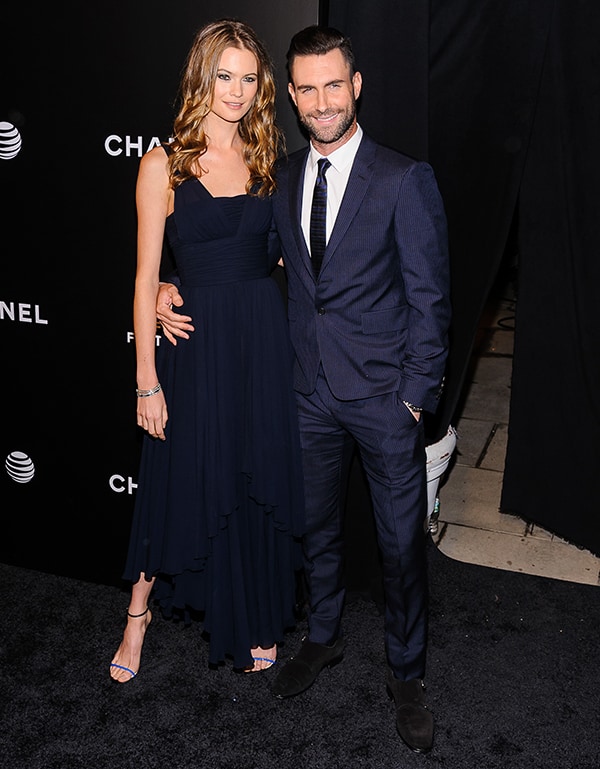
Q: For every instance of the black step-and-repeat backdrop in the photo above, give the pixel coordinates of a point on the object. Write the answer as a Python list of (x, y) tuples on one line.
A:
[(86, 90)]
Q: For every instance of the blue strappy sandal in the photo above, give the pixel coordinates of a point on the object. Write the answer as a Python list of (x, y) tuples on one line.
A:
[(122, 667), (262, 659)]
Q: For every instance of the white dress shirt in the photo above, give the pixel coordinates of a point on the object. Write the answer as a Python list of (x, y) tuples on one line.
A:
[(337, 178)]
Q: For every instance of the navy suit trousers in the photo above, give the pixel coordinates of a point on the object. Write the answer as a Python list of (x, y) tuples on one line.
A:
[(392, 449)]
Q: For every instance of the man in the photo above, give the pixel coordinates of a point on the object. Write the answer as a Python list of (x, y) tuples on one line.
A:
[(369, 330)]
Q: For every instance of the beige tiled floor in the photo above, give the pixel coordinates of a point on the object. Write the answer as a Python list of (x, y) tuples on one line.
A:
[(470, 527)]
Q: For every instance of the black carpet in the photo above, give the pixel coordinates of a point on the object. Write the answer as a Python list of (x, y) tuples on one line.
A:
[(513, 681)]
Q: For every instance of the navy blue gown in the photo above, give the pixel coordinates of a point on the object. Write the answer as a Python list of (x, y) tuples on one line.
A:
[(219, 508)]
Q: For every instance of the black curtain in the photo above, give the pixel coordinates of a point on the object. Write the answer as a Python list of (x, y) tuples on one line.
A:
[(554, 433), (485, 65), (502, 98)]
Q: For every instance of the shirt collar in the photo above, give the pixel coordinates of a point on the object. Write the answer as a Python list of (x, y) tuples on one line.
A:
[(343, 156)]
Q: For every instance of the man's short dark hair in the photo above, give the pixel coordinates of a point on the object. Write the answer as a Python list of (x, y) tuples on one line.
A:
[(316, 41)]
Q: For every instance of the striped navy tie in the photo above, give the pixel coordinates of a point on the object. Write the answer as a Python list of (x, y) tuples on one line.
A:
[(318, 213)]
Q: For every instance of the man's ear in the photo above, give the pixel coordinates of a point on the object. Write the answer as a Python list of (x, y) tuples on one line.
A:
[(357, 84)]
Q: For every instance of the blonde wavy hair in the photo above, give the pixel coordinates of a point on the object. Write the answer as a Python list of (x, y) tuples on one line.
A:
[(263, 140)]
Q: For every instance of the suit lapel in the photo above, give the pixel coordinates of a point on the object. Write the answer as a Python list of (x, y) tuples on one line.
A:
[(356, 189), (295, 186)]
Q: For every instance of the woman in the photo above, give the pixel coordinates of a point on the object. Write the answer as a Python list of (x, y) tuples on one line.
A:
[(219, 506)]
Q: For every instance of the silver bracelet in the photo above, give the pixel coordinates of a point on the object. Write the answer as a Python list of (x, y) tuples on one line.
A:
[(147, 393), (416, 409)]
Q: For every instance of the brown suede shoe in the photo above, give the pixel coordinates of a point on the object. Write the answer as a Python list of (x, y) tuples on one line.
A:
[(414, 721)]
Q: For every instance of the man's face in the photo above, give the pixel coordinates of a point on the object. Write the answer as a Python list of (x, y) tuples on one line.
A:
[(325, 96)]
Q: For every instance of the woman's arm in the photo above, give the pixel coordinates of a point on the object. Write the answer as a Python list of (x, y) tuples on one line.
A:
[(153, 197)]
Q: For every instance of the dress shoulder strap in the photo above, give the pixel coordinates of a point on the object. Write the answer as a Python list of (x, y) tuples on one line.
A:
[(167, 148)]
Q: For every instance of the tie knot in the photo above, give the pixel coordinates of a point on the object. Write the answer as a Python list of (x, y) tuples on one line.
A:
[(323, 164)]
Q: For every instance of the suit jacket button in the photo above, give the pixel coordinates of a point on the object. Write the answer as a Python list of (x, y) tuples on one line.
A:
[(321, 311)]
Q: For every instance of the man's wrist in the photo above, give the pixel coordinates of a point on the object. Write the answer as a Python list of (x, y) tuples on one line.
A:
[(412, 407)]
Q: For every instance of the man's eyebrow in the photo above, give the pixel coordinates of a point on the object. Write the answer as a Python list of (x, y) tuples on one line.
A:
[(331, 82)]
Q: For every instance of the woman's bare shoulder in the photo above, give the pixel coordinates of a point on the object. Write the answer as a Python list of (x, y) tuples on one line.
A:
[(155, 159)]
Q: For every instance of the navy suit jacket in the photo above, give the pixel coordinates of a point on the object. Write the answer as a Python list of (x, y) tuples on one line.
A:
[(377, 318)]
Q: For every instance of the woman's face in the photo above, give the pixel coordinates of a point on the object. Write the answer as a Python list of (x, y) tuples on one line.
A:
[(236, 84)]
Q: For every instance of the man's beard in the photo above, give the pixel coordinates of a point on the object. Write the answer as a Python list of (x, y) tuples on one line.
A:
[(330, 134)]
